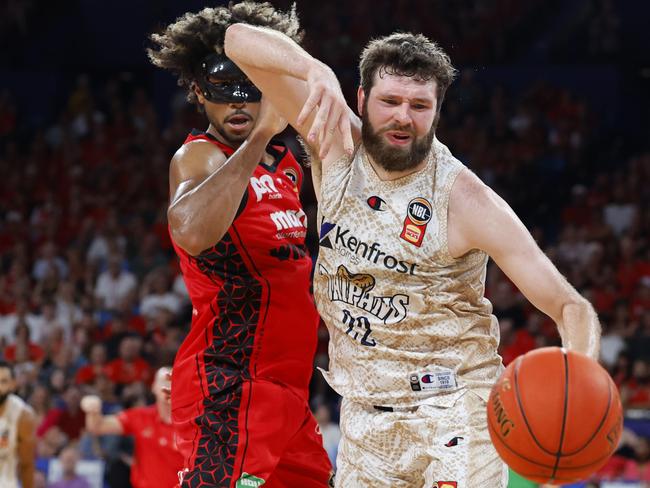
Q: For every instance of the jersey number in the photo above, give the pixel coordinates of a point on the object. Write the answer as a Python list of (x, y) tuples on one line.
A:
[(357, 326)]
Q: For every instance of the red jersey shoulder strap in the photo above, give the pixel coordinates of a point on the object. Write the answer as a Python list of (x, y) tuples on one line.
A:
[(277, 149), (197, 135)]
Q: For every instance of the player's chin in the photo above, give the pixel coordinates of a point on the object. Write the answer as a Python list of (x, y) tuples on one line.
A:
[(398, 149), (239, 135)]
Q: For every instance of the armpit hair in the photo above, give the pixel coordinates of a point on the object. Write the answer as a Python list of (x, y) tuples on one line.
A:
[(312, 158)]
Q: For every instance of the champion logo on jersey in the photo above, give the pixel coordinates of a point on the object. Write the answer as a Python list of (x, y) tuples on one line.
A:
[(454, 441), (418, 215), (376, 203)]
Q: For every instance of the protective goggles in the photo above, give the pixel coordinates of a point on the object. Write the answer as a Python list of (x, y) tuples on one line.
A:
[(221, 81)]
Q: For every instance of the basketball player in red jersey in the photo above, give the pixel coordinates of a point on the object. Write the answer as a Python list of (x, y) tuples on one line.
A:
[(240, 379), (156, 460)]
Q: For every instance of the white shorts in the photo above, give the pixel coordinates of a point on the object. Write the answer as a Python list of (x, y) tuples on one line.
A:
[(422, 447)]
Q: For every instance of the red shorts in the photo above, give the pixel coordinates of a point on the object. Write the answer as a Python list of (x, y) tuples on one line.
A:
[(257, 431)]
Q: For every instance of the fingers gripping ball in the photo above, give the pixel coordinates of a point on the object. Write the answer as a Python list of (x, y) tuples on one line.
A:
[(91, 404), (555, 416)]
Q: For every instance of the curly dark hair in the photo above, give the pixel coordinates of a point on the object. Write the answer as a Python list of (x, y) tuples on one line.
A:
[(406, 54), (181, 46)]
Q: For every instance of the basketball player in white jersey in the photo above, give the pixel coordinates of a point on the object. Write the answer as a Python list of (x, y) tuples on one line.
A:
[(405, 235), (17, 434)]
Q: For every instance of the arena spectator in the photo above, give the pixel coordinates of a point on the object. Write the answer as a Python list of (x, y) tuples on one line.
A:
[(88, 373), (69, 458), (115, 284), (129, 367), (68, 418)]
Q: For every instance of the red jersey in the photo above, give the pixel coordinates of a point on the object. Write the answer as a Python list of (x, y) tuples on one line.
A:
[(35, 352), (156, 462), (253, 314), (70, 423), (87, 374)]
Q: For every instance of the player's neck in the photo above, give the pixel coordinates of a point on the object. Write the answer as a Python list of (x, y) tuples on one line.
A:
[(268, 159), (217, 135), (164, 412), (385, 175)]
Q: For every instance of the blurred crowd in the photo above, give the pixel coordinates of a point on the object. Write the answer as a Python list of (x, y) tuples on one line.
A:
[(91, 299)]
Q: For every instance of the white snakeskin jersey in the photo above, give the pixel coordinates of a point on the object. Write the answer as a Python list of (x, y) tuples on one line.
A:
[(14, 406), (408, 323)]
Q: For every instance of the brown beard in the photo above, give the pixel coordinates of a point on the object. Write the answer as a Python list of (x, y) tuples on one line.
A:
[(393, 158)]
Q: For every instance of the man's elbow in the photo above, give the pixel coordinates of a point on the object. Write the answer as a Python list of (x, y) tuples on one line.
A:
[(188, 242), (186, 236), (576, 300), (181, 230)]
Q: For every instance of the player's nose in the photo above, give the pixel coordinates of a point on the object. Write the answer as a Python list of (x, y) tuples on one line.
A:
[(401, 114)]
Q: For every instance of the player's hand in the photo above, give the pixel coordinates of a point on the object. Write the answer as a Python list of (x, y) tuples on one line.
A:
[(332, 115), (269, 121), (91, 404)]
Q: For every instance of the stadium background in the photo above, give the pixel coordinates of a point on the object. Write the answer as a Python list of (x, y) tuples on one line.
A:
[(551, 109)]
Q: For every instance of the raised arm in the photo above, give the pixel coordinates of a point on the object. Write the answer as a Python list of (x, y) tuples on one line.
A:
[(26, 447), (480, 219), (296, 83), (96, 423), (206, 188)]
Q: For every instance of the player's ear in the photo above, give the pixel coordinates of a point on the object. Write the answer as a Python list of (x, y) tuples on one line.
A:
[(197, 91), (361, 97)]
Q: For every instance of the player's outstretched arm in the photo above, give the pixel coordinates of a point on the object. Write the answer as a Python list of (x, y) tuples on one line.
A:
[(206, 188), (303, 89), (26, 447), (96, 423), (480, 219)]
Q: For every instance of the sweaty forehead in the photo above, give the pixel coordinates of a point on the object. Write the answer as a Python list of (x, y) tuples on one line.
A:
[(403, 86)]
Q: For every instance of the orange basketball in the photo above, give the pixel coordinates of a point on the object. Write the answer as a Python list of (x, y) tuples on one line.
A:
[(555, 416)]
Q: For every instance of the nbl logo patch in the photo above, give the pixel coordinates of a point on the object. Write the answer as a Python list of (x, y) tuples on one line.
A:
[(418, 215), (445, 484)]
